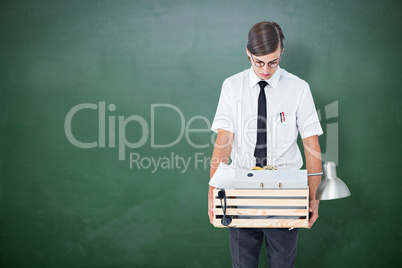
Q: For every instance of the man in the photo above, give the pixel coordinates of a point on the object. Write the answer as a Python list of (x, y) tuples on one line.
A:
[(260, 113)]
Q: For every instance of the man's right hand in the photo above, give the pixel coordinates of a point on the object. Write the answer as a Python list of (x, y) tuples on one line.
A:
[(222, 149)]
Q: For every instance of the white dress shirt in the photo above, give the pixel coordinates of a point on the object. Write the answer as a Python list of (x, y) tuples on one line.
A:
[(290, 110)]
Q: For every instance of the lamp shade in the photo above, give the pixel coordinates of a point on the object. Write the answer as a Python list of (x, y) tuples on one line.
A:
[(331, 187)]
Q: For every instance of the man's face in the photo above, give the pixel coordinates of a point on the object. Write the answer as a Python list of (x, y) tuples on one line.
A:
[(265, 72)]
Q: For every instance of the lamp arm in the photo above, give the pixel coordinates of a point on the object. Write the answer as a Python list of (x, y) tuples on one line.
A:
[(315, 174)]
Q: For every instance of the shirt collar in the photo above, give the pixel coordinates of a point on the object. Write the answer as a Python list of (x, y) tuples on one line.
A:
[(273, 81)]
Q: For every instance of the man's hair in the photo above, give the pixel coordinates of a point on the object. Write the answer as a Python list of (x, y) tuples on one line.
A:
[(264, 38)]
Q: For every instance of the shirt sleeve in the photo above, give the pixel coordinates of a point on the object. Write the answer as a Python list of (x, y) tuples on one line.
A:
[(308, 122), (224, 117)]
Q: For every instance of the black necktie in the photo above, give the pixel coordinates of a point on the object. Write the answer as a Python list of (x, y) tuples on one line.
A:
[(260, 151)]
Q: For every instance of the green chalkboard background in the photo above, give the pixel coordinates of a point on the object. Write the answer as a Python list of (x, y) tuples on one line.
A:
[(67, 206)]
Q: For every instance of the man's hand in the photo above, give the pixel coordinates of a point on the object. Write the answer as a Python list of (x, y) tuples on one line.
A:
[(312, 152), (222, 149), (313, 212)]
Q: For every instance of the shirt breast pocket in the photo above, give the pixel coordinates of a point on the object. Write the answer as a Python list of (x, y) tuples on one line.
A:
[(286, 128)]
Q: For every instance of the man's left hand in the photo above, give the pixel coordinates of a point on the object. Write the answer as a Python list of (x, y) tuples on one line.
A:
[(313, 212)]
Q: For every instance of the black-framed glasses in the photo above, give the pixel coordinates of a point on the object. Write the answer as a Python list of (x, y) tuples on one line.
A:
[(271, 64)]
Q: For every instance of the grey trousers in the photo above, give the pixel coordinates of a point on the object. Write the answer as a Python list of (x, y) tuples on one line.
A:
[(245, 246)]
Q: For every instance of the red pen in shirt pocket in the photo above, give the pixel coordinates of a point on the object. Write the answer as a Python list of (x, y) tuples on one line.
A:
[(282, 116)]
